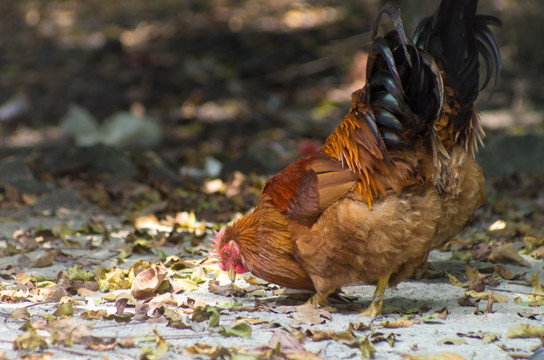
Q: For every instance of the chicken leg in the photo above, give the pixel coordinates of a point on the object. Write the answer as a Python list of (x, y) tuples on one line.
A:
[(319, 299), (375, 307)]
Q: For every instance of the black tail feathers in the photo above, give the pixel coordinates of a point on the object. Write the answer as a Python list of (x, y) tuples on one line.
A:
[(456, 36), (404, 86)]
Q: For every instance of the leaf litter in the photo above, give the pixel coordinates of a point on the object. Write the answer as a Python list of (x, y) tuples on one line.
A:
[(148, 289)]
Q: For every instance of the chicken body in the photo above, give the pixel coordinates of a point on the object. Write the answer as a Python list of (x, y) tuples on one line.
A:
[(368, 245), (464, 180), (396, 178)]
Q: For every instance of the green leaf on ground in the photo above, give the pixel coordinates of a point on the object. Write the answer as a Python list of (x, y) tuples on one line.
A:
[(240, 329)]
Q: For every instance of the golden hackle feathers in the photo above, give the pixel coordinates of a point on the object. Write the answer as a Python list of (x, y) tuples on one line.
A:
[(266, 246), (356, 147)]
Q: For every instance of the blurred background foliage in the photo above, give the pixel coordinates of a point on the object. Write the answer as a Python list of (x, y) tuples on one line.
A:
[(246, 82)]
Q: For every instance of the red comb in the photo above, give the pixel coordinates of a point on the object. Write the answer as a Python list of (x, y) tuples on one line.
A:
[(218, 236)]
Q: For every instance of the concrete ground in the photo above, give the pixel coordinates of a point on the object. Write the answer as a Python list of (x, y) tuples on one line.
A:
[(268, 312)]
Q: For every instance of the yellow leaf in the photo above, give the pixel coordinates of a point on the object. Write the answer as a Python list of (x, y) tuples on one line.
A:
[(94, 314), (485, 294), (537, 288), (439, 356), (240, 329), (472, 273), (113, 279), (66, 309), (453, 341), (30, 340), (368, 351), (490, 337), (213, 352), (161, 345), (525, 331), (183, 284), (456, 281)]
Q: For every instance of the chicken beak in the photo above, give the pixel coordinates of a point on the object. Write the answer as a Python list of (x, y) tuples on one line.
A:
[(232, 274)]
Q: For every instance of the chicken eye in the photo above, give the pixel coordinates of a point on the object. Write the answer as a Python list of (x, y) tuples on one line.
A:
[(226, 253)]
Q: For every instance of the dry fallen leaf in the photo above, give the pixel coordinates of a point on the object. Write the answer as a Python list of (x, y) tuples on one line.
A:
[(368, 351), (53, 293), (240, 329), (183, 284), (453, 341), (224, 290), (30, 340), (537, 289), (147, 281), (24, 261), (479, 284), (472, 273), (402, 323), (455, 281), (161, 300), (46, 259), (484, 296), (508, 253), (146, 221), (504, 272), (282, 343), (525, 331), (467, 301), (94, 314), (490, 337), (19, 314), (126, 342), (84, 292), (100, 344), (497, 225), (65, 309), (439, 356), (310, 315), (287, 344), (485, 337), (538, 253), (213, 352), (304, 355), (68, 328), (318, 335)]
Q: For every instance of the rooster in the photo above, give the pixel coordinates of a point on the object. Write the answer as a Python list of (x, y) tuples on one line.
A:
[(395, 179)]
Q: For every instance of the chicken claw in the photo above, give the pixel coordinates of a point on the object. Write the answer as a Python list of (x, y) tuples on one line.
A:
[(375, 307), (319, 299)]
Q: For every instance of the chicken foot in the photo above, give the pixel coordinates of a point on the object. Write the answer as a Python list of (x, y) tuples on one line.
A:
[(319, 299), (376, 305)]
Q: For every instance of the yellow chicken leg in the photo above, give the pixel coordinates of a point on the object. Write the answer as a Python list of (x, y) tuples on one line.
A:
[(320, 299), (375, 307)]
